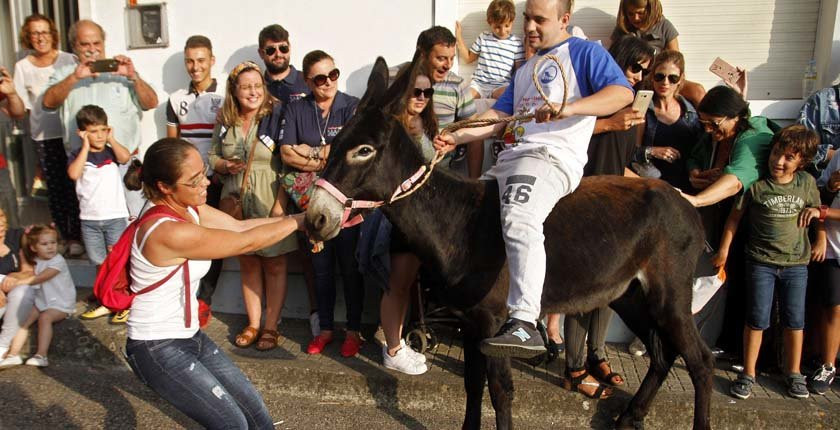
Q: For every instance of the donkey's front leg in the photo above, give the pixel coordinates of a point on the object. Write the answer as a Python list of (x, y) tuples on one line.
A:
[(500, 384), (475, 374)]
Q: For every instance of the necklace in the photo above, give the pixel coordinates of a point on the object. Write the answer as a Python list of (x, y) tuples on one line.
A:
[(322, 133)]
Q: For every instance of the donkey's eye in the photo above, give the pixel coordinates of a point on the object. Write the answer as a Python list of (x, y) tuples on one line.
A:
[(360, 154)]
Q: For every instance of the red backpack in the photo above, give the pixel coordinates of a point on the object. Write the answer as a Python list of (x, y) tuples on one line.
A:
[(112, 285)]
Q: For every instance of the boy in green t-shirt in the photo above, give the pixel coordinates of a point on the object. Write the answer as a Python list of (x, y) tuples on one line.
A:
[(778, 252)]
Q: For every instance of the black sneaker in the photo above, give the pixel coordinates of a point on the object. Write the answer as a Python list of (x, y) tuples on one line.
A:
[(820, 381), (517, 338), (797, 387)]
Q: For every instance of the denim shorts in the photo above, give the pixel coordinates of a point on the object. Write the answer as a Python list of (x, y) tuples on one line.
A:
[(98, 235), (762, 280)]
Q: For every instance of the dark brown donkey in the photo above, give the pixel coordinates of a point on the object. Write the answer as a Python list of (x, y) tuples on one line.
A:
[(629, 243)]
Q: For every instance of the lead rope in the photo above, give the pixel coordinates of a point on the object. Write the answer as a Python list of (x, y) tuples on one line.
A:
[(478, 122)]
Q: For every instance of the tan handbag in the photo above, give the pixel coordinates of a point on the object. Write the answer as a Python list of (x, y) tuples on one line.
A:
[(231, 204)]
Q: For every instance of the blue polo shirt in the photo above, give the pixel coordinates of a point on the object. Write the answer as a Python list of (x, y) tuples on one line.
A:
[(303, 123), (288, 89)]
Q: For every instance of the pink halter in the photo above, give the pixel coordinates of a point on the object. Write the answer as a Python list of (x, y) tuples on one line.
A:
[(350, 204)]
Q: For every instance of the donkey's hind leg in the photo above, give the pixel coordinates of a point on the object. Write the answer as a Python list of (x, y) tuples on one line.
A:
[(661, 359), (680, 331)]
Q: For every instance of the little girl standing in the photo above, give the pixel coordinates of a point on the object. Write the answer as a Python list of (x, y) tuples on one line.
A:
[(55, 293)]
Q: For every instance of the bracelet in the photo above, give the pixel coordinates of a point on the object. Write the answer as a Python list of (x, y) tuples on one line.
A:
[(648, 153), (823, 212)]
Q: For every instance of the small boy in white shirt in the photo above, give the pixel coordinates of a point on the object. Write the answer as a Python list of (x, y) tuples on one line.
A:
[(94, 167), (498, 51)]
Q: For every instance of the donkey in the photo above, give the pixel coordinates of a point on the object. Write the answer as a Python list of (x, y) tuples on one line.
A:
[(629, 243)]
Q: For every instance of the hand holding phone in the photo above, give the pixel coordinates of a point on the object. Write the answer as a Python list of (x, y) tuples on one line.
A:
[(642, 101)]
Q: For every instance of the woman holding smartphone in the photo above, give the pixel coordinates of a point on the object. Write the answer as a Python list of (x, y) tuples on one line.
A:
[(250, 122), (672, 126)]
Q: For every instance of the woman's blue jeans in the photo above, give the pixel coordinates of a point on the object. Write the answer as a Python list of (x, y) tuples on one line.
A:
[(200, 381)]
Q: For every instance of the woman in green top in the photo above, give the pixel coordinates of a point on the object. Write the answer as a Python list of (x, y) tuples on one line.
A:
[(249, 121), (737, 152)]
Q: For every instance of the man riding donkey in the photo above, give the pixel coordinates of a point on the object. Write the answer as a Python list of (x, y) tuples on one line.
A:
[(543, 160)]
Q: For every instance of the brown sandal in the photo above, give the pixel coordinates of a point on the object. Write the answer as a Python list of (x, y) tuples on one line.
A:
[(601, 369), (247, 337), (268, 340)]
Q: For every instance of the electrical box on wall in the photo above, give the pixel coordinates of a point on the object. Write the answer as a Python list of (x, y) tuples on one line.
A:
[(147, 26)]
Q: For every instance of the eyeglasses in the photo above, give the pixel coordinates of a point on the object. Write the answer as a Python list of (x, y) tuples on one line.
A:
[(256, 87), (37, 34), (319, 80), (270, 50), (425, 92), (659, 77), (197, 182), (713, 124), (636, 68)]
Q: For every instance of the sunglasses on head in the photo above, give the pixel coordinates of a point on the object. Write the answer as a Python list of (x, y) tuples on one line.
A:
[(636, 68), (319, 80), (270, 50), (659, 77), (427, 92)]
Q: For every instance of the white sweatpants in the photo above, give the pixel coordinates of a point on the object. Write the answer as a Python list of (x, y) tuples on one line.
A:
[(530, 181)]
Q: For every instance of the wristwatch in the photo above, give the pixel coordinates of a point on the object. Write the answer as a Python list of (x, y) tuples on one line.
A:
[(648, 152), (823, 212)]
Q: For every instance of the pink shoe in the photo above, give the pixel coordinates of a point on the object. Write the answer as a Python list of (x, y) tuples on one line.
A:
[(317, 345), (351, 346)]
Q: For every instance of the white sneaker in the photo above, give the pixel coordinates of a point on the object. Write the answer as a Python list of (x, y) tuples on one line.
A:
[(314, 324), (38, 361), (3, 351), (11, 361), (418, 357), (403, 362)]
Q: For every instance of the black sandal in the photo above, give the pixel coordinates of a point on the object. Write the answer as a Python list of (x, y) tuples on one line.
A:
[(573, 383), (595, 368)]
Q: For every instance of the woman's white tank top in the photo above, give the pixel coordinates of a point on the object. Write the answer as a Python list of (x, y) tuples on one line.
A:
[(159, 314)]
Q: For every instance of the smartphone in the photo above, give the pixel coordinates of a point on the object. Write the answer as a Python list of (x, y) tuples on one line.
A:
[(725, 71), (642, 101), (103, 66)]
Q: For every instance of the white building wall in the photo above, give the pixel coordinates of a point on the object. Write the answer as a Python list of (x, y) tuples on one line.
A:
[(353, 32)]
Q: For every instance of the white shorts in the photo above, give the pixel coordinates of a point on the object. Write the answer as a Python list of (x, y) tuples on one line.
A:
[(485, 90)]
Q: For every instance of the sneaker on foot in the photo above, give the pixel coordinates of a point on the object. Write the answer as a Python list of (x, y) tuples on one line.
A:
[(819, 382), (318, 344), (418, 357), (314, 323), (637, 348), (37, 361), (742, 386), (516, 338), (11, 361), (797, 386), (403, 362), (351, 346), (120, 317), (95, 312)]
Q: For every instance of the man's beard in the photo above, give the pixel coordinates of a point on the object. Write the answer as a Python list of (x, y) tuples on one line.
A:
[(274, 69)]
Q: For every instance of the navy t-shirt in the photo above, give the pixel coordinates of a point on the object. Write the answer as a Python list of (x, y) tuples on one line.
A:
[(292, 87), (10, 262), (303, 123), (98, 159)]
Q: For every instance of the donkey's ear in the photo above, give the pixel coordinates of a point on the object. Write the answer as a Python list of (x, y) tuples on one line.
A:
[(376, 86)]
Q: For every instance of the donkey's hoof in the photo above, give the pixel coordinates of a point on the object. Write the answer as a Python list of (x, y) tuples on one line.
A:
[(629, 424)]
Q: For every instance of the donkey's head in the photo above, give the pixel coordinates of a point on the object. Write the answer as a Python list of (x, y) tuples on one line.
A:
[(371, 156)]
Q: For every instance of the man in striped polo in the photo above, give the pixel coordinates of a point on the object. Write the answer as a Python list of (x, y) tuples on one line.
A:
[(191, 115)]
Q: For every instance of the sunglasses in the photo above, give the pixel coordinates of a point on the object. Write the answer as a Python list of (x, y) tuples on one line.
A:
[(659, 77), (712, 124), (636, 68), (270, 50), (427, 93), (198, 181), (319, 80)]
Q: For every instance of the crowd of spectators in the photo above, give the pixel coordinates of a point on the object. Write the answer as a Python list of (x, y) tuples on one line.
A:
[(263, 140)]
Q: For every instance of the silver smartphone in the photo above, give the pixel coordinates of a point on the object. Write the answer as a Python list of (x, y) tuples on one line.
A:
[(642, 101)]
